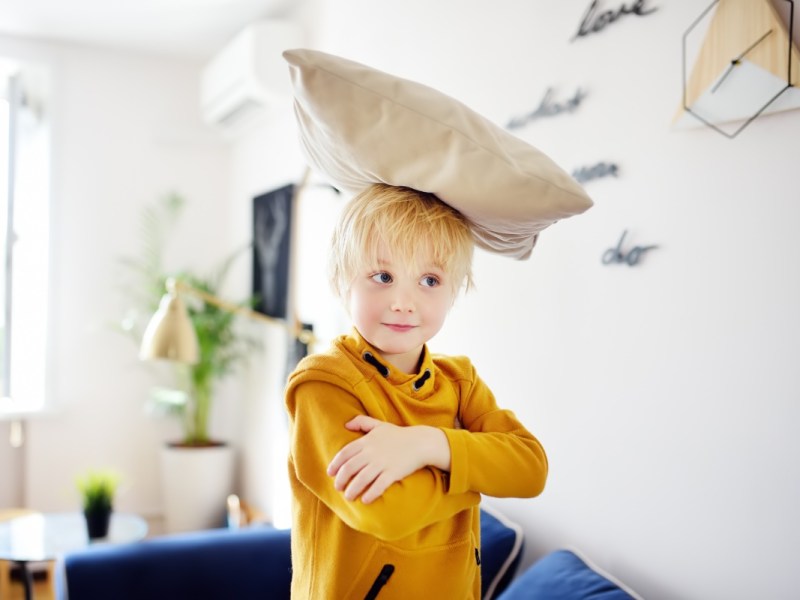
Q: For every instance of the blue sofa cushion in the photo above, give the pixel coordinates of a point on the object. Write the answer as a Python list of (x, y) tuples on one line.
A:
[(563, 575), (252, 563), (501, 551)]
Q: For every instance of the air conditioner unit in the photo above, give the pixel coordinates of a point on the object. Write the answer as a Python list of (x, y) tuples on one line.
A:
[(249, 73)]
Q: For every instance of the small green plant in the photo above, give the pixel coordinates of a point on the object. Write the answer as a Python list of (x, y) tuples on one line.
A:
[(97, 488)]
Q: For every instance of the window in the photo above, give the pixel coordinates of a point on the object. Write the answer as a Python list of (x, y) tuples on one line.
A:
[(24, 239)]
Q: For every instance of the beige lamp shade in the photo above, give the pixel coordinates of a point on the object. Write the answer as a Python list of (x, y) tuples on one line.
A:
[(170, 334)]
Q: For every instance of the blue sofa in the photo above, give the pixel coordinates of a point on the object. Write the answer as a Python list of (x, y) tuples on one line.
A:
[(254, 563)]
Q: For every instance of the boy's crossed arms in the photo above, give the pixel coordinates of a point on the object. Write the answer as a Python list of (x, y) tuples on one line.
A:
[(438, 471)]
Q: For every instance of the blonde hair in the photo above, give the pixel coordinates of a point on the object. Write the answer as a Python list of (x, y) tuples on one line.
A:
[(409, 223)]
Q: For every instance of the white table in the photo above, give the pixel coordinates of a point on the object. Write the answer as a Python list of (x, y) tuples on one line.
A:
[(46, 536)]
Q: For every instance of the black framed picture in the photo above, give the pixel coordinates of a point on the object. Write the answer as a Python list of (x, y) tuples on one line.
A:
[(272, 227)]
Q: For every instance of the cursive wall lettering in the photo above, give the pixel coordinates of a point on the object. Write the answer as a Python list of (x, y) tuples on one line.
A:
[(593, 21), (601, 169), (548, 108), (618, 256)]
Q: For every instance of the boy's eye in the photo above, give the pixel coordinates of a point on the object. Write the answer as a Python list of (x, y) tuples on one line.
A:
[(430, 281), (382, 277)]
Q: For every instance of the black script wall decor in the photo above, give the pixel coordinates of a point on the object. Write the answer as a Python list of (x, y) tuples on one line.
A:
[(619, 256), (594, 21), (548, 108), (601, 169)]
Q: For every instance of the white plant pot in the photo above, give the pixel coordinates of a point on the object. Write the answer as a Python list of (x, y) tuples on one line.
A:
[(196, 483)]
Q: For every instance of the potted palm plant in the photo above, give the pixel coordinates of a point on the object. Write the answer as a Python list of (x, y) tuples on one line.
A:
[(97, 489), (190, 395)]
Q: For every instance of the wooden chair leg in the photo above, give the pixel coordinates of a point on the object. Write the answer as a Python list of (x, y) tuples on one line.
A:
[(44, 591), (51, 579), (5, 579)]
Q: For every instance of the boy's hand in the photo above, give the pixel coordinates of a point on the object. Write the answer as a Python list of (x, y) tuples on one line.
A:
[(387, 453)]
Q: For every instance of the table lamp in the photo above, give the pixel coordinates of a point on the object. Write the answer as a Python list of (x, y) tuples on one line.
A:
[(170, 334)]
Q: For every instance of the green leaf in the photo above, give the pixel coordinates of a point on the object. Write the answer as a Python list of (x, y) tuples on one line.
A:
[(97, 488)]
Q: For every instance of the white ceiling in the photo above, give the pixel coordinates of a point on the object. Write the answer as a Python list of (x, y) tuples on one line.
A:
[(187, 28)]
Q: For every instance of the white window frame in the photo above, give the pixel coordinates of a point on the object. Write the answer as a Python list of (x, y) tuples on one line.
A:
[(24, 242)]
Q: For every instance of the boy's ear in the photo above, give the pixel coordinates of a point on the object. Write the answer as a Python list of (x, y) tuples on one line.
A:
[(345, 299), (455, 292)]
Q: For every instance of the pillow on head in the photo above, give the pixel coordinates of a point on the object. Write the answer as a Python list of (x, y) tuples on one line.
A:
[(360, 126)]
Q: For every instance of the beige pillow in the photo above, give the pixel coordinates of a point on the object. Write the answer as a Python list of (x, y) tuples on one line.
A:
[(360, 126)]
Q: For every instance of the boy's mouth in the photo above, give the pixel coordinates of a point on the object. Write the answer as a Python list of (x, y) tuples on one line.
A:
[(399, 327)]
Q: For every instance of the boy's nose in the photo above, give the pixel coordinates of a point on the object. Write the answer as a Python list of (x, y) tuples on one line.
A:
[(403, 302)]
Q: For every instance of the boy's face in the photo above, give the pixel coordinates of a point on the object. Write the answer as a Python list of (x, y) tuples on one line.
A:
[(397, 308)]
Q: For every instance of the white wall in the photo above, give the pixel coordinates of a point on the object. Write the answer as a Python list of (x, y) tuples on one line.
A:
[(265, 156), (126, 130), (11, 466), (666, 395)]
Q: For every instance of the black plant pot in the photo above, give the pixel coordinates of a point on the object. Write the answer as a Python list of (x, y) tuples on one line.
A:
[(97, 522)]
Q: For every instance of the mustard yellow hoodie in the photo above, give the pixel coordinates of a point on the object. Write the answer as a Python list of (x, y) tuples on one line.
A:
[(421, 539)]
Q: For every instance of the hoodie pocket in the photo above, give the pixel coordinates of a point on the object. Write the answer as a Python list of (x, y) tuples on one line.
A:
[(447, 571)]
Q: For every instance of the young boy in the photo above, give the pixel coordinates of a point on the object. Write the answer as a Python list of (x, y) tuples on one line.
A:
[(391, 446)]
